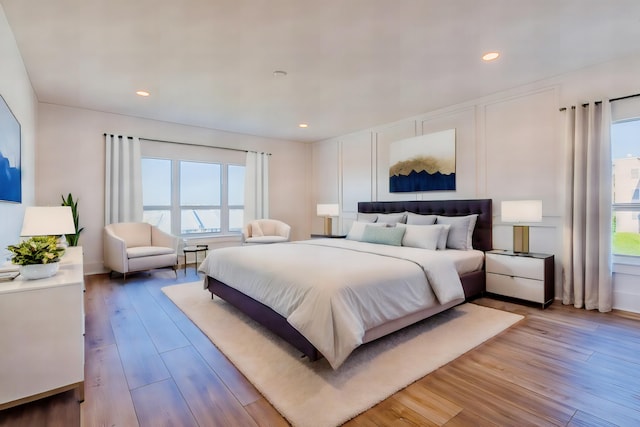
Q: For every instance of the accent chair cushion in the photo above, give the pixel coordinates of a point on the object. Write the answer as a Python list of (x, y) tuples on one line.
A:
[(266, 239), (142, 251), (133, 233)]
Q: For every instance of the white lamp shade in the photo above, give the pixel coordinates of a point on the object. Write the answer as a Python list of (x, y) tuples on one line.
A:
[(521, 211), (47, 221), (328, 210)]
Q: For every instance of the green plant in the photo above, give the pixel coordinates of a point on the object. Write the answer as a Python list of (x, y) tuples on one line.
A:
[(72, 239), (36, 250)]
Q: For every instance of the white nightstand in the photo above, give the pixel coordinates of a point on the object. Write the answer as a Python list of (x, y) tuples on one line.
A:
[(527, 276), (42, 334)]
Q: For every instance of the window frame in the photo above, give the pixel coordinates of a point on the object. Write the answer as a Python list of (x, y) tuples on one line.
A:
[(177, 153), (621, 260)]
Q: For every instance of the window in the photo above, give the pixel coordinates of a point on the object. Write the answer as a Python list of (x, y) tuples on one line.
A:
[(189, 198), (156, 192), (200, 197), (625, 153)]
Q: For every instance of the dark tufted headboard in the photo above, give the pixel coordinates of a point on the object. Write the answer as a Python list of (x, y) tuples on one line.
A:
[(482, 235)]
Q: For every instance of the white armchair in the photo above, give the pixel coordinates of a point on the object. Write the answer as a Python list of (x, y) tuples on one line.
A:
[(138, 246), (265, 231)]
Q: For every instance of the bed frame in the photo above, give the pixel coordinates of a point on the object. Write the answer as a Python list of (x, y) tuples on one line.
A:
[(473, 283)]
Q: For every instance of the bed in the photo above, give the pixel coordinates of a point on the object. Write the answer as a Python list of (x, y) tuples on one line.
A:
[(282, 294)]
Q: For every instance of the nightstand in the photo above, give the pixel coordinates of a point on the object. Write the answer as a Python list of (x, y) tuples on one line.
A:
[(527, 276)]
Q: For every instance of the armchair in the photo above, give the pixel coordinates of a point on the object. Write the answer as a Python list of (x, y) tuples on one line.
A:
[(265, 231), (138, 246)]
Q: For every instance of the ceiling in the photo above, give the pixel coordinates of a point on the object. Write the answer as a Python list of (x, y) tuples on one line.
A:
[(351, 64)]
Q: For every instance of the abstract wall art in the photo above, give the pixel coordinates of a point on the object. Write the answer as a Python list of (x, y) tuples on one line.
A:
[(423, 163), (10, 173)]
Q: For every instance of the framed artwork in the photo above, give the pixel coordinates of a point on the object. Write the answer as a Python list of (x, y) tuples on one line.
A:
[(423, 163), (10, 172)]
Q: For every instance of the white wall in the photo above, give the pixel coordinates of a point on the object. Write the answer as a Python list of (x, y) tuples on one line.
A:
[(16, 90), (70, 159), (508, 147)]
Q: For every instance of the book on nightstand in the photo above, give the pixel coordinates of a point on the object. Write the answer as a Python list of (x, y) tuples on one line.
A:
[(5, 276)]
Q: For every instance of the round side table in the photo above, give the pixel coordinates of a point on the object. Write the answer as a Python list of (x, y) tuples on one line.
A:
[(193, 250)]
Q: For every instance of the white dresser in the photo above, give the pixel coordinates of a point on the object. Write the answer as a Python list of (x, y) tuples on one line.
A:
[(42, 334), (527, 276)]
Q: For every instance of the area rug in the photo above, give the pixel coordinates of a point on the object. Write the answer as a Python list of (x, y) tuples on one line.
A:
[(311, 394)]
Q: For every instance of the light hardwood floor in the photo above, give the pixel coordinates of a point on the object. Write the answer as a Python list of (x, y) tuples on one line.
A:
[(148, 365)]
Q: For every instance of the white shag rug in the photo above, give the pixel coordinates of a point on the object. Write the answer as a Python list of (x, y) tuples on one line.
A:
[(311, 394)]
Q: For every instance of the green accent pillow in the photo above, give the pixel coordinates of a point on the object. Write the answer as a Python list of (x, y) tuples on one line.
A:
[(383, 235)]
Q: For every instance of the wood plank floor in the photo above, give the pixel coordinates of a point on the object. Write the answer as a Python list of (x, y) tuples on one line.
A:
[(148, 365)]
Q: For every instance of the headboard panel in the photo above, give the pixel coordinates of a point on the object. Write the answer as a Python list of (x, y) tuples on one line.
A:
[(483, 233)]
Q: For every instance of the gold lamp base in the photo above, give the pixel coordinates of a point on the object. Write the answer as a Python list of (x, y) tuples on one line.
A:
[(328, 226), (521, 239)]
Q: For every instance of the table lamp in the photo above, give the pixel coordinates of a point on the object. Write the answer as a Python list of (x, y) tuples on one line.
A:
[(47, 221), (328, 211), (518, 211)]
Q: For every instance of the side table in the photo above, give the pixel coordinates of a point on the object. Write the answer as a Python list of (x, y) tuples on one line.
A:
[(193, 250), (526, 276)]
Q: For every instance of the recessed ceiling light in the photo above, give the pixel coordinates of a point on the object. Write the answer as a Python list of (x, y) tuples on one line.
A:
[(490, 56), (142, 93), (303, 125), (279, 73)]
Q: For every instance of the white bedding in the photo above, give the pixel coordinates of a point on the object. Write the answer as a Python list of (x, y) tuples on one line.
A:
[(333, 290), (466, 261)]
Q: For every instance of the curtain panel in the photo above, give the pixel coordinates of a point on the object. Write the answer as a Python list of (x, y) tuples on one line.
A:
[(587, 277), (123, 179), (256, 188)]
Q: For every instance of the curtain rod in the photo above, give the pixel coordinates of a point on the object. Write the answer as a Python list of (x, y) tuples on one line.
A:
[(611, 100), (196, 145)]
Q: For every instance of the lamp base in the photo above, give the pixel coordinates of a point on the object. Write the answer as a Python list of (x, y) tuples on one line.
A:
[(521, 239), (328, 226)]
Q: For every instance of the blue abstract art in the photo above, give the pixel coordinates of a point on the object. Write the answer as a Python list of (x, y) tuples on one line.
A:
[(423, 163), (10, 173)]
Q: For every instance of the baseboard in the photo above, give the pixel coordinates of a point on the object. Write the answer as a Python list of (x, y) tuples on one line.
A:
[(626, 302)]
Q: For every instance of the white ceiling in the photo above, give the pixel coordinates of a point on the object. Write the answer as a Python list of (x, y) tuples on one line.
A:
[(351, 64)]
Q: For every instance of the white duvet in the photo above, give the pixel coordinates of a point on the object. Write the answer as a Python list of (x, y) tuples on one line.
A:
[(333, 290)]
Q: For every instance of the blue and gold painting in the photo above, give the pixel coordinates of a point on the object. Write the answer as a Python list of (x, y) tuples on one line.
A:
[(10, 174), (423, 163)]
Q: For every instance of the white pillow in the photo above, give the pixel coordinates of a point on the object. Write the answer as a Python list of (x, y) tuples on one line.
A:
[(421, 236), (367, 217), (444, 233), (392, 218), (461, 231), (357, 229), (417, 219)]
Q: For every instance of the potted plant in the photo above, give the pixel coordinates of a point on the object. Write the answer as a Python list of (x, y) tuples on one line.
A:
[(72, 239), (38, 256)]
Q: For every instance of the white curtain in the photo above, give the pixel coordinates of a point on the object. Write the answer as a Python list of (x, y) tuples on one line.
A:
[(256, 186), (123, 179), (587, 280)]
